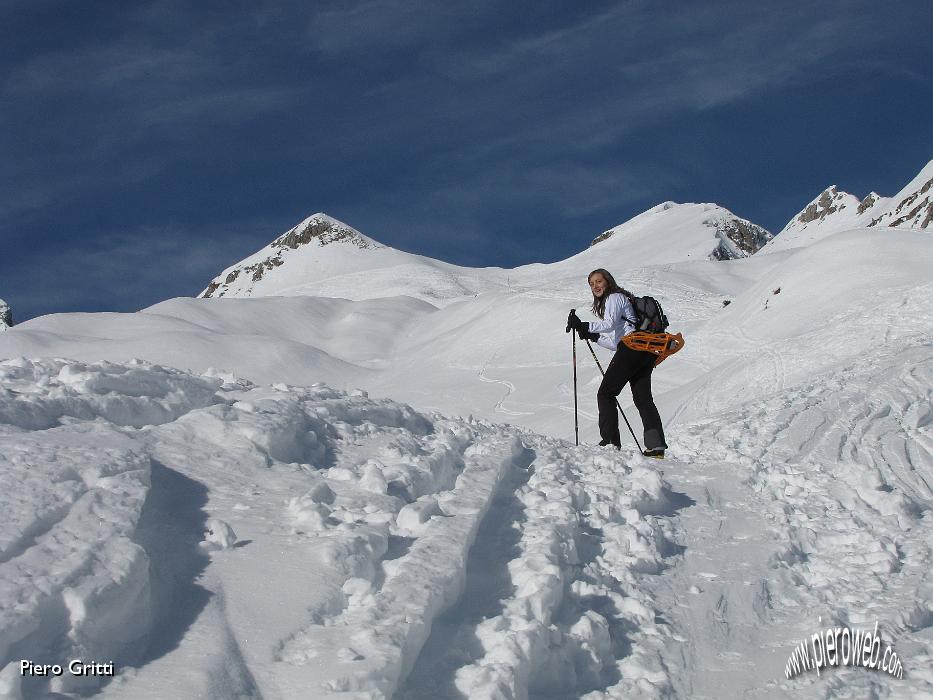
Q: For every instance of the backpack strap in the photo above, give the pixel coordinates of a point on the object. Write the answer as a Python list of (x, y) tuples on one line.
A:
[(631, 300)]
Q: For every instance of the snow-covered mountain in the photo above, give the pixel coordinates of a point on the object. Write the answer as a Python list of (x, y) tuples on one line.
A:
[(322, 256), (6, 316), (835, 210), (697, 230)]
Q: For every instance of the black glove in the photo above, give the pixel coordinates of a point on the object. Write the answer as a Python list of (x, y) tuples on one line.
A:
[(584, 334), (581, 327), (573, 323)]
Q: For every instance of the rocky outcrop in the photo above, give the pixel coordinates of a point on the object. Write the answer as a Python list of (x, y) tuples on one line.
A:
[(834, 211), (871, 199), (829, 202), (323, 230), (738, 238), (602, 237), (6, 316), (912, 208)]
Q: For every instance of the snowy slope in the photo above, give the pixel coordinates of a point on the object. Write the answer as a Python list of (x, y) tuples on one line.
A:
[(379, 549), (297, 339), (824, 305)]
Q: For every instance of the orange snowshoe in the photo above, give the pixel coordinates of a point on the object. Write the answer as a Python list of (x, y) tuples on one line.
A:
[(661, 344)]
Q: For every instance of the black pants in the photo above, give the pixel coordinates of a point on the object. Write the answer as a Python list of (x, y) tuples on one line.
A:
[(634, 367)]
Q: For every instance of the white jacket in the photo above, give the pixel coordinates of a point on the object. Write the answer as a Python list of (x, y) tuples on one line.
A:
[(618, 320)]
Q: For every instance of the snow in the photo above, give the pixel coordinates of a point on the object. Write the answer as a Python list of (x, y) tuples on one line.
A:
[(113, 519), (308, 496)]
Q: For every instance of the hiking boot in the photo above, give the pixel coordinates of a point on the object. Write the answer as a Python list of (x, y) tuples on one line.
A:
[(657, 453), (604, 443)]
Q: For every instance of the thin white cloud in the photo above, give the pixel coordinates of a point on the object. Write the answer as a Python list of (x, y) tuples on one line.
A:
[(638, 61)]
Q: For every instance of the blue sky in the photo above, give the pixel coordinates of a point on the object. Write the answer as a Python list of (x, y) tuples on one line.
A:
[(147, 145)]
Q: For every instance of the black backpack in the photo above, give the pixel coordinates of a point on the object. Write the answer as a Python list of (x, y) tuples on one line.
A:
[(650, 315)]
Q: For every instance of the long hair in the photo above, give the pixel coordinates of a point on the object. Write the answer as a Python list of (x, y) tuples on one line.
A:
[(599, 303)]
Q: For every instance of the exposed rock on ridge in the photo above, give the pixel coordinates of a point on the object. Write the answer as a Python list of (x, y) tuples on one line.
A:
[(6, 315), (835, 210), (829, 202), (738, 238), (913, 209), (871, 199), (324, 230)]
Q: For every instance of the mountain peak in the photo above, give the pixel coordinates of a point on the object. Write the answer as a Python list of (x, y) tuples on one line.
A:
[(323, 230), (871, 199), (829, 201), (912, 207), (834, 211), (733, 236), (313, 233)]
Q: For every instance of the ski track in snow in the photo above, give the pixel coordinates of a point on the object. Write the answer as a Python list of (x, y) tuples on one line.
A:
[(419, 556), (391, 543), (510, 389), (812, 511)]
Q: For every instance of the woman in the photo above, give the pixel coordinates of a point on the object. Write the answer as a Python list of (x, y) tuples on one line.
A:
[(613, 306)]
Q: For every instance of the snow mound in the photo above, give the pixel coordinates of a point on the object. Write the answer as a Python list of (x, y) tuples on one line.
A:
[(42, 393)]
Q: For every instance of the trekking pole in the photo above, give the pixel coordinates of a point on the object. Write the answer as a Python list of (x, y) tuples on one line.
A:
[(617, 400), (576, 419)]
